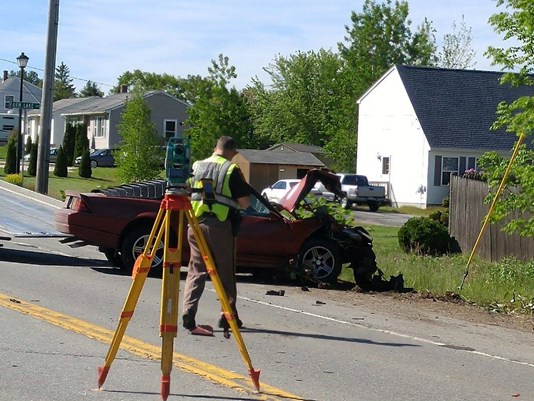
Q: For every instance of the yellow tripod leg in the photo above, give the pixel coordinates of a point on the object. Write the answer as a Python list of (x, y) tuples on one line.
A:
[(169, 302), (140, 272), (228, 313)]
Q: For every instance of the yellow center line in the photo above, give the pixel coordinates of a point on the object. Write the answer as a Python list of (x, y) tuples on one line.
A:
[(137, 347)]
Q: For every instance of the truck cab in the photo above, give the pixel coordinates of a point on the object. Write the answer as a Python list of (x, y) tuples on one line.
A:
[(357, 191)]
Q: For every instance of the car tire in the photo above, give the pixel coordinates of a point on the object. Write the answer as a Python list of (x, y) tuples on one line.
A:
[(94, 164), (321, 259), (373, 207), (133, 245), (365, 269), (345, 203), (113, 256)]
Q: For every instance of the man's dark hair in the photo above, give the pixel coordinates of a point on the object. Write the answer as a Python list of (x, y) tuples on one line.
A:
[(226, 143)]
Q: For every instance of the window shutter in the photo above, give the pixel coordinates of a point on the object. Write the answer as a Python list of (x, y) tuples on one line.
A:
[(437, 171)]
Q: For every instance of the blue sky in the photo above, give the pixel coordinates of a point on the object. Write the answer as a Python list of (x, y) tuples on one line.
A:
[(100, 39)]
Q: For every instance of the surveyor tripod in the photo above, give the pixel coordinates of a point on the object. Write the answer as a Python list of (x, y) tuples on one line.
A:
[(175, 200)]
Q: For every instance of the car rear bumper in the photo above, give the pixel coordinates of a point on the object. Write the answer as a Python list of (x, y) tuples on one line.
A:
[(73, 223)]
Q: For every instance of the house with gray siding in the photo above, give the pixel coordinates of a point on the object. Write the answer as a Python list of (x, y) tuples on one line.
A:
[(103, 116)]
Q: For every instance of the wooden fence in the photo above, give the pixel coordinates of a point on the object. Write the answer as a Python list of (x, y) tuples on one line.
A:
[(466, 216)]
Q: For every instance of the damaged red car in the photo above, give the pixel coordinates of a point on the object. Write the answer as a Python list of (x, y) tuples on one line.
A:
[(118, 221)]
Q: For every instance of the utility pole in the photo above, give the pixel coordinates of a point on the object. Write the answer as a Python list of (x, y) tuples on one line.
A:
[(47, 99)]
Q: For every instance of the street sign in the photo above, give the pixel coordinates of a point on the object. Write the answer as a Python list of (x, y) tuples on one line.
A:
[(23, 105)]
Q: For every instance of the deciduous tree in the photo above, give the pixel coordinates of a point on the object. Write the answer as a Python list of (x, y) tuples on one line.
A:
[(138, 157), (457, 51)]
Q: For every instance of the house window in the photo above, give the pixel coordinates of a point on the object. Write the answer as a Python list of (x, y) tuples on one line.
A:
[(449, 166), (99, 127), (385, 165), (7, 100), (169, 128)]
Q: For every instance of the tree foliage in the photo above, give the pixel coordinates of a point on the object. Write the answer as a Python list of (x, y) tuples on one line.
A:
[(138, 158), (91, 89), (63, 87), (457, 51), (84, 169), (217, 110), (11, 154), (81, 141), (146, 81), (61, 168), (69, 141), (517, 202), (32, 165), (29, 76)]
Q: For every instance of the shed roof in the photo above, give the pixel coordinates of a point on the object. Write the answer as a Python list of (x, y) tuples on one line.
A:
[(280, 157), (298, 147), (456, 108)]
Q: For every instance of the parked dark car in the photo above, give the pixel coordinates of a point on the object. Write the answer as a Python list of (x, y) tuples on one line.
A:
[(99, 158), (52, 156), (119, 220)]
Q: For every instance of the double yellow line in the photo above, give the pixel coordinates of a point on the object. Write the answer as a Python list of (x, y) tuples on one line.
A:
[(210, 372)]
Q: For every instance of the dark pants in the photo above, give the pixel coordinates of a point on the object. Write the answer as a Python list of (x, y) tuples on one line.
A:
[(220, 241)]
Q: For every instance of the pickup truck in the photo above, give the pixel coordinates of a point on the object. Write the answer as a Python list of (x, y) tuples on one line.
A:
[(357, 190)]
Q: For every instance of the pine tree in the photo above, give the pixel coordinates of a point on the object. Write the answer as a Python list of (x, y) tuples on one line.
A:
[(11, 155), (63, 87), (84, 170), (61, 170)]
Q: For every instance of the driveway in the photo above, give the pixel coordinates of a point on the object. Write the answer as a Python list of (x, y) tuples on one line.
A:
[(381, 218)]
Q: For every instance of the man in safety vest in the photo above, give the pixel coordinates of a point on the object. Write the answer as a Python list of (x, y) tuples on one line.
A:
[(217, 210)]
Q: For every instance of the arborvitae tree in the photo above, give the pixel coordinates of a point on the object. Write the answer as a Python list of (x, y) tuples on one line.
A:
[(28, 147), (81, 140), (11, 155), (84, 170), (32, 167), (69, 140), (60, 170)]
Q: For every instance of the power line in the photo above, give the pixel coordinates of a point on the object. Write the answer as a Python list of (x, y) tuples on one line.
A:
[(42, 70)]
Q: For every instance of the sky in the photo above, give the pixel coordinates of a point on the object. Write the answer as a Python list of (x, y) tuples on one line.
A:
[(99, 40)]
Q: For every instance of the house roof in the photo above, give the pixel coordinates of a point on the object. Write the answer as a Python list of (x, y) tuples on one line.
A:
[(30, 92), (456, 108), (298, 147), (95, 104), (280, 157)]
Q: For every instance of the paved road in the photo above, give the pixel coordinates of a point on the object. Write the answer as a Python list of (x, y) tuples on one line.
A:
[(59, 307)]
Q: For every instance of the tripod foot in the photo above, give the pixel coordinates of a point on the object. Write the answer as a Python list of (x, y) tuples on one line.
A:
[(255, 376), (202, 330), (165, 387), (102, 374)]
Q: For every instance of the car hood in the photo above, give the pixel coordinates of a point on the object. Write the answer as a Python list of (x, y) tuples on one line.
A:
[(330, 180)]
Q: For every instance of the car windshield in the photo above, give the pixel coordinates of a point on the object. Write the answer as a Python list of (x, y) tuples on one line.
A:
[(354, 180)]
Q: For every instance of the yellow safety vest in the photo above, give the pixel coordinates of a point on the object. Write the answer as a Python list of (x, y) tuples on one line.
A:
[(219, 170)]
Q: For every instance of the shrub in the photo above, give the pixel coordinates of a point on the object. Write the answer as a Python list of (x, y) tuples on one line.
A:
[(60, 169), (15, 179), (84, 170), (445, 202), (440, 217), (11, 155), (424, 236)]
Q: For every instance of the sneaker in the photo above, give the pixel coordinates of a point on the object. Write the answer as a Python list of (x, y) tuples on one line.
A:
[(223, 323), (188, 321)]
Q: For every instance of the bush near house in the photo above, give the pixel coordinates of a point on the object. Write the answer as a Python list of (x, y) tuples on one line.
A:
[(424, 236)]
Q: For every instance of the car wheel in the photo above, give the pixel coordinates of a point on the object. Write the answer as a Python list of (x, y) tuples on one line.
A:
[(321, 259), (134, 244), (113, 256), (365, 268), (94, 164), (346, 203), (373, 207)]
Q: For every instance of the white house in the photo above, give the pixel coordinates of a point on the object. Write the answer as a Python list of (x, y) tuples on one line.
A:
[(10, 92), (103, 116), (417, 126)]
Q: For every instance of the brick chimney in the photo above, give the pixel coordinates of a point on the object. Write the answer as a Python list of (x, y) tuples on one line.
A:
[(123, 89), (5, 75)]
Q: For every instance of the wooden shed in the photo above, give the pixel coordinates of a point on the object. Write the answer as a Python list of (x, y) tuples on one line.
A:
[(262, 168)]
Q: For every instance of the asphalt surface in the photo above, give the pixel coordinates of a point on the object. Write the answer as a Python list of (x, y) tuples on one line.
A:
[(309, 345)]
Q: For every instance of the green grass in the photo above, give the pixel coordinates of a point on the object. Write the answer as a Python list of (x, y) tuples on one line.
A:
[(504, 286), (3, 152)]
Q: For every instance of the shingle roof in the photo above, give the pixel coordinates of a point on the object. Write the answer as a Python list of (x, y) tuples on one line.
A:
[(298, 147), (280, 157), (456, 108)]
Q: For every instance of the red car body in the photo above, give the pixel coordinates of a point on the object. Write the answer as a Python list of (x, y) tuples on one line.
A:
[(270, 235)]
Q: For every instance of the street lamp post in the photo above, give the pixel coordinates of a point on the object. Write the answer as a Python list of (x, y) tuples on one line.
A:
[(22, 61)]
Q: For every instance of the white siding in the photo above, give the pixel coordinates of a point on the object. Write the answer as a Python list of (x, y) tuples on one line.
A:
[(388, 127)]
